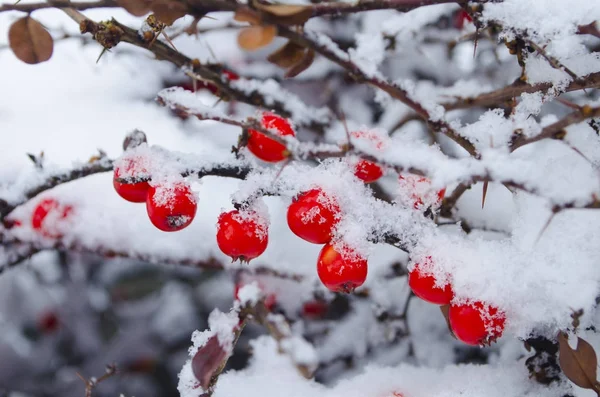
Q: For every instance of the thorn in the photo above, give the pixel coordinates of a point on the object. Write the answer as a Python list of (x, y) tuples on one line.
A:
[(282, 168), (545, 227), (485, 188), (475, 41), (216, 103), (102, 53), (168, 40), (342, 117), (212, 53)]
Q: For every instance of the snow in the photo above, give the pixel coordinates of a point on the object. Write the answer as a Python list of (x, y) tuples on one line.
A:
[(535, 265)]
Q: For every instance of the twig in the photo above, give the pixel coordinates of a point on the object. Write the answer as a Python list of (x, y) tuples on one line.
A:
[(555, 130), (507, 93), (102, 165), (91, 383)]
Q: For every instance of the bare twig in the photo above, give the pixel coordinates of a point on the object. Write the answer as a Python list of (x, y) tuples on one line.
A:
[(91, 383)]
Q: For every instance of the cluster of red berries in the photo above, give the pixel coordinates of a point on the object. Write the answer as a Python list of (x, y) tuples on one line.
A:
[(171, 206), (474, 323)]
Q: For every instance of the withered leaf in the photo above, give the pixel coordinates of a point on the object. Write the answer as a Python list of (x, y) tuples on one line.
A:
[(137, 8), (288, 55), (168, 11), (255, 37), (208, 360), (445, 309), (302, 65), (29, 41), (134, 139), (287, 14), (242, 15), (579, 365)]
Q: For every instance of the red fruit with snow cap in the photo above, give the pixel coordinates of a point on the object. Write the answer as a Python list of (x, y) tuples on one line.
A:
[(171, 207), (476, 323), (365, 170), (341, 269), (312, 216), (418, 190), (268, 149), (48, 217), (424, 285), (130, 180), (242, 235)]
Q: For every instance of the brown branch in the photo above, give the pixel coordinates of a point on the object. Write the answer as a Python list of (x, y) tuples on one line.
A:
[(338, 8), (90, 384), (556, 130), (101, 165), (386, 86), (208, 72), (30, 7), (514, 90)]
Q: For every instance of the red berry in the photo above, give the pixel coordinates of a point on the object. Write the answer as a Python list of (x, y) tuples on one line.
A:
[(242, 235), (48, 216), (419, 190), (424, 286), (367, 171), (48, 322), (171, 207), (460, 18), (476, 323), (135, 192), (270, 299), (341, 271), (266, 148), (230, 75), (312, 216), (314, 309)]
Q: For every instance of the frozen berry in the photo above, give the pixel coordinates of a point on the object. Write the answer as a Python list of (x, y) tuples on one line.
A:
[(49, 216), (312, 216), (242, 235), (476, 323), (265, 148), (341, 271), (171, 207)]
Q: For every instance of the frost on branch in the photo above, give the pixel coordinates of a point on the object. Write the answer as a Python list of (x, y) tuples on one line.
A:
[(392, 157)]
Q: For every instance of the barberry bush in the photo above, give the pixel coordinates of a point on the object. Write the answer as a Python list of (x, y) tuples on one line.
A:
[(300, 198)]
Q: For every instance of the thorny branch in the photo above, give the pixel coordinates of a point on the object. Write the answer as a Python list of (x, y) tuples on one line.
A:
[(90, 384)]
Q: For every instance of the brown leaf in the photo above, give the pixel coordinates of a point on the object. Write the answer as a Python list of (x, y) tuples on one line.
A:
[(288, 55), (134, 139), (255, 37), (168, 11), (29, 41), (302, 65), (208, 360), (579, 365), (242, 15), (137, 8), (445, 309), (287, 14)]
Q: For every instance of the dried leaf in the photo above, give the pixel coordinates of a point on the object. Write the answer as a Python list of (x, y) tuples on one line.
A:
[(167, 11), (301, 66), (288, 55), (287, 14), (579, 365), (29, 41), (208, 360), (137, 8), (134, 139), (282, 10), (242, 15), (255, 37)]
